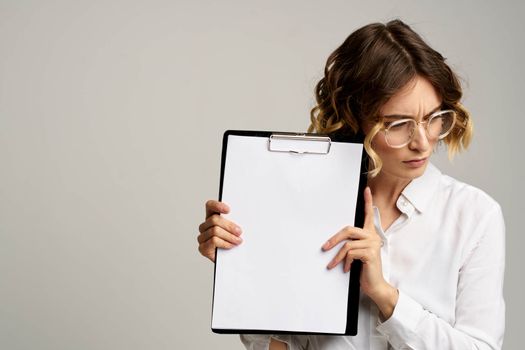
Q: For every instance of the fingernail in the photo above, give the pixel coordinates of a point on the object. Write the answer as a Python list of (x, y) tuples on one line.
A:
[(238, 239), (238, 230), (326, 245)]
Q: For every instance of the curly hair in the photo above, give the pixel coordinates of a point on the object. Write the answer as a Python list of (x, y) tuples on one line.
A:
[(371, 65)]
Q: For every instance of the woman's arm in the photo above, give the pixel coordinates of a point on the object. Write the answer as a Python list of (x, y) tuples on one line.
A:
[(274, 342), (277, 345), (365, 245), (480, 308)]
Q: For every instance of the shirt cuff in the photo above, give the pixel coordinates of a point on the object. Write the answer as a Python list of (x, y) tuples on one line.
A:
[(400, 328)]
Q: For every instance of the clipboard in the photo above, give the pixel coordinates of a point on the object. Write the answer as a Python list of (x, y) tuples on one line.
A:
[(289, 192)]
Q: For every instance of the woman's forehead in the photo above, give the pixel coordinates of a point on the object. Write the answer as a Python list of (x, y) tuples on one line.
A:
[(417, 97)]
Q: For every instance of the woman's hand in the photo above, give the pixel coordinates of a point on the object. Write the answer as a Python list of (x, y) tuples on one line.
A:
[(365, 245), (216, 231)]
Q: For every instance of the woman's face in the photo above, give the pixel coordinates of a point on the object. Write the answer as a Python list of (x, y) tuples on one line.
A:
[(418, 99)]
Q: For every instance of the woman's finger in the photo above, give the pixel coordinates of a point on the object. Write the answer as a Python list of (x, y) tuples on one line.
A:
[(363, 254), (217, 220), (208, 248), (348, 232), (348, 263), (217, 231), (342, 253), (369, 209), (216, 207)]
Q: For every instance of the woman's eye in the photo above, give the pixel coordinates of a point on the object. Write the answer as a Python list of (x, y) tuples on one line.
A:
[(397, 126)]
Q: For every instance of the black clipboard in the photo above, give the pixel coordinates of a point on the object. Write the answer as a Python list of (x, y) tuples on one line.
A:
[(350, 327)]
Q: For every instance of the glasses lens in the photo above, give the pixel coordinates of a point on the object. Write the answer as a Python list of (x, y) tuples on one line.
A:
[(440, 125), (399, 133)]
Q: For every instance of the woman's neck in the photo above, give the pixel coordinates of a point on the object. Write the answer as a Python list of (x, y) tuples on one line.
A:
[(386, 189)]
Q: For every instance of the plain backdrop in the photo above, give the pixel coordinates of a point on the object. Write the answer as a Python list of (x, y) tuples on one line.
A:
[(111, 119)]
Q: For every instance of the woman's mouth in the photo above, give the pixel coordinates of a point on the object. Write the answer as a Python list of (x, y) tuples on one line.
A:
[(415, 163)]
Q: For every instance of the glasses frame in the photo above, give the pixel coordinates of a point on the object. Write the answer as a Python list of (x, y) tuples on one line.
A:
[(427, 122)]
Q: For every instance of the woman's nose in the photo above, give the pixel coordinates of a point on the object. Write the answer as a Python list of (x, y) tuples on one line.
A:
[(420, 140)]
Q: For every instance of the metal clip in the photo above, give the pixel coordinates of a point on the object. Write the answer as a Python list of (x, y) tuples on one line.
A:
[(287, 143)]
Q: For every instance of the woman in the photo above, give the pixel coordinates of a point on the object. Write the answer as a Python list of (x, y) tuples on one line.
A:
[(432, 248)]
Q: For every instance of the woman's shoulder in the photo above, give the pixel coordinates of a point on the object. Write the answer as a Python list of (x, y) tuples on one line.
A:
[(460, 194), (473, 214)]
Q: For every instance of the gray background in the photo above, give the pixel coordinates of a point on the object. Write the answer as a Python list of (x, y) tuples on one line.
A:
[(111, 117)]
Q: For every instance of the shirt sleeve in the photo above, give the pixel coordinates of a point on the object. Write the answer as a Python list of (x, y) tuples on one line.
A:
[(262, 341), (480, 308)]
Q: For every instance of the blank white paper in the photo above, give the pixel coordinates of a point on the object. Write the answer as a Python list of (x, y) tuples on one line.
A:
[(287, 205)]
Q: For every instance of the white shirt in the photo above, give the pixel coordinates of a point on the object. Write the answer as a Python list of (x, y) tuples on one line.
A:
[(446, 255)]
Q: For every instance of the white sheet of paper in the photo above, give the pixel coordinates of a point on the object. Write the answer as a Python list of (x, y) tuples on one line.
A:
[(287, 205)]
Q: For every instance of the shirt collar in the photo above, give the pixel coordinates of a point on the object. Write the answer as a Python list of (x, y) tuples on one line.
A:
[(419, 191)]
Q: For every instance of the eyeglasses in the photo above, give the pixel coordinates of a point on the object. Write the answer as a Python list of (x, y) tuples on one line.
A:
[(401, 132)]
